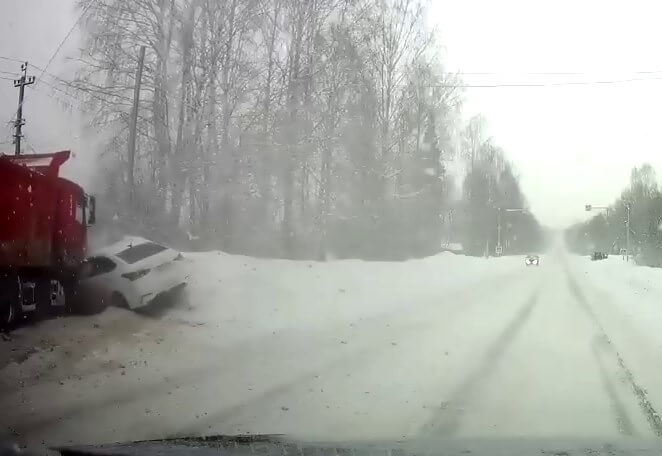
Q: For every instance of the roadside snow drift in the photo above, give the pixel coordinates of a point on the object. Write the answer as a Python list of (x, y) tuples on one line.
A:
[(246, 330), (246, 295)]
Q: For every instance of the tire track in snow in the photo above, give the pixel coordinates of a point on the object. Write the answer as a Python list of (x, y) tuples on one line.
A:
[(50, 419), (623, 421), (646, 406), (447, 421), (47, 419), (261, 400)]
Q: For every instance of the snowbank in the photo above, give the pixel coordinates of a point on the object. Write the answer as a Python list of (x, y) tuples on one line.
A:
[(245, 295), (637, 290), (250, 333), (627, 301)]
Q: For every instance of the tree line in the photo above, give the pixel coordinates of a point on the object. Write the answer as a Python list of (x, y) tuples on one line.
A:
[(291, 129), (607, 230), (491, 196)]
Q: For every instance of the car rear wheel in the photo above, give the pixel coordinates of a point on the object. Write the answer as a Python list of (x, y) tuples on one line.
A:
[(87, 301), (120, 301)]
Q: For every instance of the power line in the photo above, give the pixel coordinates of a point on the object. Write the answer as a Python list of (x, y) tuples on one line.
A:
[(545, 73), (461, 85), (10, 59), (58, 89), (44, 72), (69, 104), (493, 73), (542, 84), (89, 90), (66, 37)]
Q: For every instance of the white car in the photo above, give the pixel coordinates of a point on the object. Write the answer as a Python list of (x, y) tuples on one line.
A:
[(132, 272), (532, 260)]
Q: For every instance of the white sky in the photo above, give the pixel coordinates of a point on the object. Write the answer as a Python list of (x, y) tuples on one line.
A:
[(571, 145), (32, 30)]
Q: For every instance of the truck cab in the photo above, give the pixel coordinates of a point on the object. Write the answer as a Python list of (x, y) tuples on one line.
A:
[(43, 237)]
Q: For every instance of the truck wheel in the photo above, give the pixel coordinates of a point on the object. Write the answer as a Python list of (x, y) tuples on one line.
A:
[(70, 297), (44, 295), (44, 309), (8, 314), (10, 297), (83, 301)]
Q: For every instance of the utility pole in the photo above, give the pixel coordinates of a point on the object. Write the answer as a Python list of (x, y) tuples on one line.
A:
[(134, 122), (18, 125), (627, 237), (499, 248)]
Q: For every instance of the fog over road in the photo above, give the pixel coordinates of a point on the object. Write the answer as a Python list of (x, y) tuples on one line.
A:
[(496, 350)]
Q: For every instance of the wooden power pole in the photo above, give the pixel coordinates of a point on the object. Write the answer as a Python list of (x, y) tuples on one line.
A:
[(134, 122), (18, 125)]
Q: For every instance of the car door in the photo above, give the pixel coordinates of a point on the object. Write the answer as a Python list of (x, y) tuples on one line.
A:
[(98, 276)]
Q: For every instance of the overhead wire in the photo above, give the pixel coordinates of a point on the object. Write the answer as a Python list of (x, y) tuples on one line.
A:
[(66, 37), (543, 73), (11, 59), (44, 72), (57, 49), (91, 91), (69, 103), (544, 84)]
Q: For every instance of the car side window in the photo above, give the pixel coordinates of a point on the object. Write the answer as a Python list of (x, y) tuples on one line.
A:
[(94, 266)]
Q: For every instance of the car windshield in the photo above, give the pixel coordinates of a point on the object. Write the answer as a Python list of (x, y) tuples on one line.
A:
[(333, 220), (139, 252)]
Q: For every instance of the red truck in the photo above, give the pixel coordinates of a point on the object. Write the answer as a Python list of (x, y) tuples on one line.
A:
[(44, 220)]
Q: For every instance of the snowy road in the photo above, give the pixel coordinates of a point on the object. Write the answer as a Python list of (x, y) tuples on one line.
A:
[(448, 346)]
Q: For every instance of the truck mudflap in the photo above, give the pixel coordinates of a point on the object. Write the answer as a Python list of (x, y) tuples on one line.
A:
[(57, 294), (11, 298)]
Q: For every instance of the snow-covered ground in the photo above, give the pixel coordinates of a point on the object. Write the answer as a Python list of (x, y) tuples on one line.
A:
[(627, 302), (449, 345), (246, 297)]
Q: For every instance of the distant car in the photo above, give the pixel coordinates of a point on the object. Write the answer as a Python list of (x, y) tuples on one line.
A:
[(598, 256), (532, 260), (132, 272)]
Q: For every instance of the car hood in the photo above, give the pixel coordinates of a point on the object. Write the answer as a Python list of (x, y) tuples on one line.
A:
[(276, 445)]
